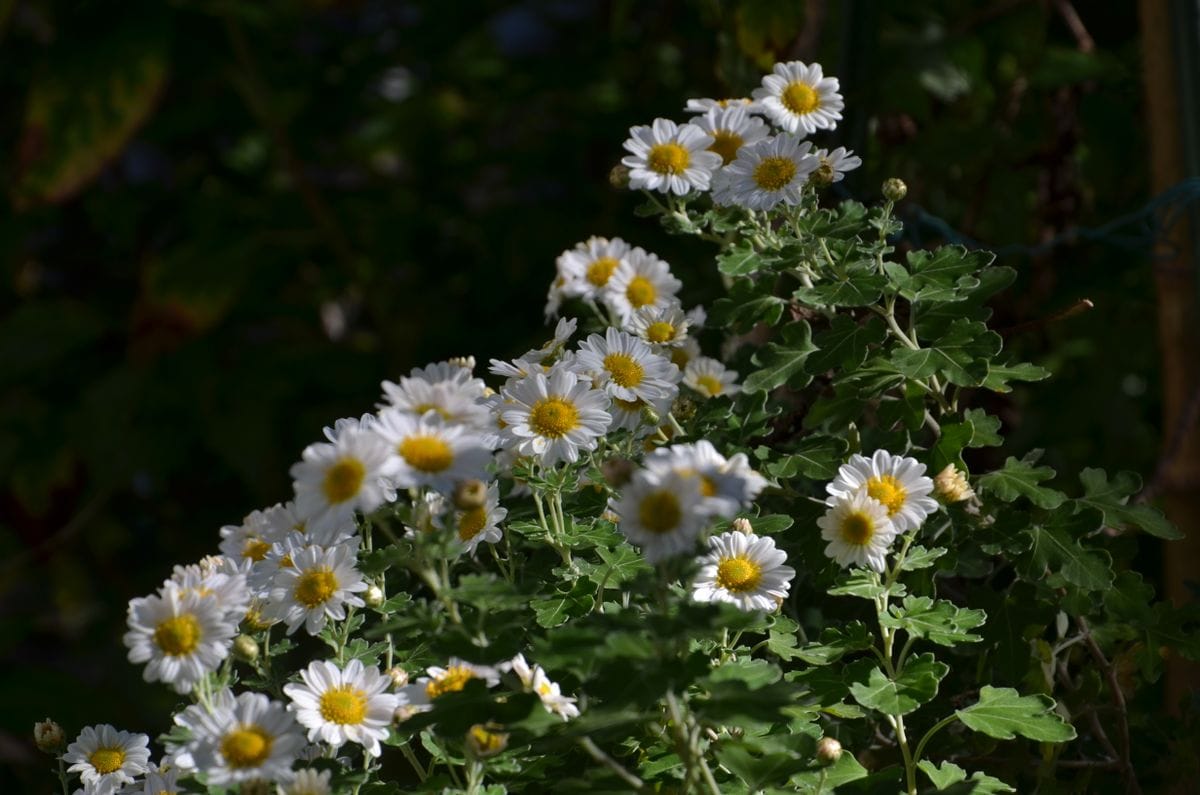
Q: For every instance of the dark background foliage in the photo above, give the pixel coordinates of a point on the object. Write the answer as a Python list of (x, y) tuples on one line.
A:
[(228, 222)]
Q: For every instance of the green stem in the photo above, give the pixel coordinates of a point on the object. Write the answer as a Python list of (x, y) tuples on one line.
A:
[(937, 727), (412, 760)]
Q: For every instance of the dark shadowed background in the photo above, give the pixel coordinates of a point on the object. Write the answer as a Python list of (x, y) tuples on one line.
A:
[(226, 222)]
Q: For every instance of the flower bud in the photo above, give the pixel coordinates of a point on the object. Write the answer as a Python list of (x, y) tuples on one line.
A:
[(465, 362), (742, 525), (894, 189), (823, 176), (950, 485), (398, 675), (650, 416), (373, 597), (484, 741), (829, 750), (48, 736), (403, 713), (619, 177), (257, 787), (469, 494), (617, 471), (245, 648)]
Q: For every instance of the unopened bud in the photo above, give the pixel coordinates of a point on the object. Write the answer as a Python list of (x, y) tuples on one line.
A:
[(823, 176), (245, 648), (398, 675), (894, 189), (373, 596), (742, 525), (484, 741), (617, 471), (950, 485), (469, 494), (465, 362), (650, 416), (403, 713), (48, 736), (619, 177), (829, 750)]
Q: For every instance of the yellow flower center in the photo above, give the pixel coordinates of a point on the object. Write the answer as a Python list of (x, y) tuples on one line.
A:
[(640, 292), (455, 679), (246, 746), (668, 158), (660, 512), (774, 173), (707, 487), (600, 270), (624, 369), (256, 620), (343, 480), (660, 331), (255, 548), (711, 384), (315, 587), (485, 742), (178, 636), (738, 575), (471, 522), (426, 453), (857, 528), (553, 417), (800, 98), (286, 562), (424, 407), (726, 143), (108, 759), (889, 491), (343, 705)]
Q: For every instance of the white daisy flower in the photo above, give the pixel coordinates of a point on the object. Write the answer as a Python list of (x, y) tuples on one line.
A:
[(710, 378), (344, 705), (432, 452), (634, 415), (665, 326), (731, 128), (554, 417), (683, 355), (898, 482), (800, 99), (833, 166), (534, 680), (555, 296), (226, 586), (181, 635), (252, 539), (588, 267), (563, 331), (642, 280), (727, 485), (449, 389), (704, 104), (661, 513), (242, 739), (766, 173), (454, 677), (858, 531), (516, 369), (317, 587), (476, 525), (743, 570), (308, 781), (626, 367), (158, 781), (106, 759), (280, 557), (669, 158), (334, 480)]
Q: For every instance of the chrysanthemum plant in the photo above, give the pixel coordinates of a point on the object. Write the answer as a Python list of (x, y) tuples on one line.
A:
[(619, 569)]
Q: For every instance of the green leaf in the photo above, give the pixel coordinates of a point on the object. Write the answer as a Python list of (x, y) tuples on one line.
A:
[(770, 524), (827, 778), (939, 621), (914, 686), (837, 642), (859, 287), (555, 611), (919, 557), (621, 565), (949, 777), (998, 375), (1003, 713), (845, 343), (753, 673), (818, 457), (987, 428), (741, 261), (781, 363), (946, 265), (864, 584), (1019, 478), (1111, 498), (948, 448), (961, 354), (760, 771), (1055, 549)]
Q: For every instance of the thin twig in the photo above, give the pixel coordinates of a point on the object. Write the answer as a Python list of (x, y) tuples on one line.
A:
[(616, 767), (1071, 17), (1127, 772), (1077, 308)]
